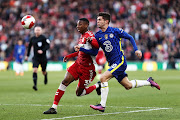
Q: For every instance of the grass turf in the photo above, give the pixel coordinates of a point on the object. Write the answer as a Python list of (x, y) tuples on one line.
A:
[(18, 101)]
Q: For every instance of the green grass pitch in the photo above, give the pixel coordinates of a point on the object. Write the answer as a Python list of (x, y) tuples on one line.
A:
[(18, 101)]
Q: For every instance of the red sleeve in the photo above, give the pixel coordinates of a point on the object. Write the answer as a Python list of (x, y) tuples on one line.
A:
[(72, 55), (94, 43)]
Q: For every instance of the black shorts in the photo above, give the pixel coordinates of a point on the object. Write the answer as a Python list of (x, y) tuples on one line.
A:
[(42, 62)]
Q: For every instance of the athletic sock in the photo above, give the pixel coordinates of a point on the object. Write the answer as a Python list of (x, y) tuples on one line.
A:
[(139, 83), (45, 78), (35, 78), (58, 95), (104, 93), (88, 90)]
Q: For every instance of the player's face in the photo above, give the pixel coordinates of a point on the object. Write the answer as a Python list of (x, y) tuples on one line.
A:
[(100, 22), (38, 31), (19, 42), (81, 26)]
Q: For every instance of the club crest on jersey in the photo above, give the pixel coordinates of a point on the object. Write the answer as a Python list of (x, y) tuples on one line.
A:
[(106, 36), (111, 35), (39, 44)]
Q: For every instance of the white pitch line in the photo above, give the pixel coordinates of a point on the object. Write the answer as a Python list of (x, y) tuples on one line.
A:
[(71, 105), (106, 114)]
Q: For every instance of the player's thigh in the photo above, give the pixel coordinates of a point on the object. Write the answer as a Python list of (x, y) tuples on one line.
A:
[(86, 77), (35, 63), (68, 78), (107, 75), (43, 65)]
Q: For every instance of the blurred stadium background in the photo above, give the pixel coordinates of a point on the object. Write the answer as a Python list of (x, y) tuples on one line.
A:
[(155, 25)]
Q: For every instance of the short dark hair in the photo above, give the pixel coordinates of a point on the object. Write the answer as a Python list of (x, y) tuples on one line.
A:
[(105, 15), (85, 20)]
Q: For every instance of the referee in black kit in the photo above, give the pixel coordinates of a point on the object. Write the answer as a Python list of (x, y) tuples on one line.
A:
[(40, 45)]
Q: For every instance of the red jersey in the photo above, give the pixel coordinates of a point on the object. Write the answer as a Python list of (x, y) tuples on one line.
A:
[(83, 58)]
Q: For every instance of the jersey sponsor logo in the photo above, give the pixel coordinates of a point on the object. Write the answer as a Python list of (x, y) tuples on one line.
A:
[(114, 65), (100, 38), (106, 36), (39, 44), (111, 35), (108, 46)]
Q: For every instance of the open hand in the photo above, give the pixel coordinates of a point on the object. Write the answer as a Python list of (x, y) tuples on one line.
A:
[(65, 59)]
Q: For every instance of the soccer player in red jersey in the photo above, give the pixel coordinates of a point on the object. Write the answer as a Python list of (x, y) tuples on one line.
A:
[(83, 68)]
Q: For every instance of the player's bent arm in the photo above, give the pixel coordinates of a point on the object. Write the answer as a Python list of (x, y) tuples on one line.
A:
[(127, 36), (92, 51), (72, 55), (47, 46)]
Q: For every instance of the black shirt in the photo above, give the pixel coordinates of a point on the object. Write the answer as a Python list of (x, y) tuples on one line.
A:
[(39, 43)]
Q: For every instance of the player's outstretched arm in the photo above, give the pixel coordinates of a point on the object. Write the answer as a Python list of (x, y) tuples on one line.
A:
[(66, 58), (92, 51)]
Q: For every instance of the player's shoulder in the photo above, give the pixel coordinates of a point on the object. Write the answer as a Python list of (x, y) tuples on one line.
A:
[(43, 36), (89, 33), (98, 33)]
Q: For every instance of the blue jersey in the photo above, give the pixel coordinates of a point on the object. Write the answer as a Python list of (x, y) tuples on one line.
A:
[(19, 52), (110, 42)]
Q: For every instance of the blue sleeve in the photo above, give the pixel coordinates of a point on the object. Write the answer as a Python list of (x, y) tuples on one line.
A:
[(92, 51), (125, 35)]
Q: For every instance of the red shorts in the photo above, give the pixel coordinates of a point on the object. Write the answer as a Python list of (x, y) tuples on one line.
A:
[(84, 74)]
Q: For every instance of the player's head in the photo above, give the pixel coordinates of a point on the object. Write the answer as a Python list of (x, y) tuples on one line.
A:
[(103, 18), (38, 30), (20, 42), (82, 25)]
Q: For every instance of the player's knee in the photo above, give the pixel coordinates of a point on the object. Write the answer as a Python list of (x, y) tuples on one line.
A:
[(43, 72), (128, 87), (102, 79), (35, 70), (78, 94), (65, 82)]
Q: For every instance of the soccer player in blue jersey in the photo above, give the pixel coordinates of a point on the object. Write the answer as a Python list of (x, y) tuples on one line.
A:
[(109, 40), (19, 52)]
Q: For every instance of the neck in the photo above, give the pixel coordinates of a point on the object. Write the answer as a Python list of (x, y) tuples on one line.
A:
[(84, 32), (104, 28), (37, 35)]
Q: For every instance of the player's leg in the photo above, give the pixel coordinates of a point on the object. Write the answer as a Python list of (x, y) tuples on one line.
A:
[(84, 80), (107, 75), (70, 76), (44, 72), (16, 68), (21, 69), (59, 93), (138, 83), (35, 69)]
